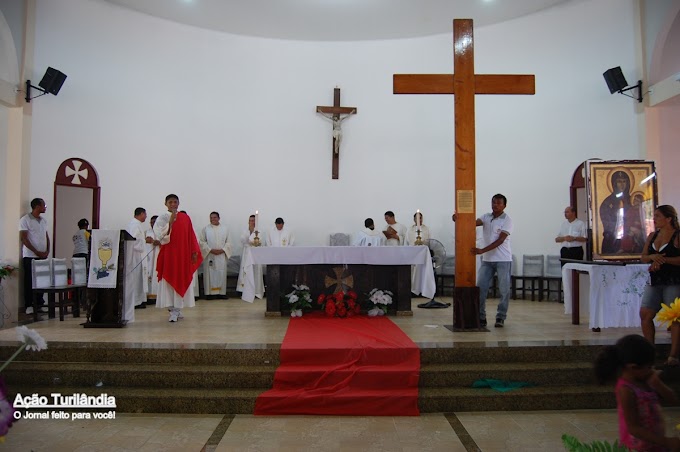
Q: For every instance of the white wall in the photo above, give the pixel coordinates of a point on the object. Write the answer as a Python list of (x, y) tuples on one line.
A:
[(229, 124)]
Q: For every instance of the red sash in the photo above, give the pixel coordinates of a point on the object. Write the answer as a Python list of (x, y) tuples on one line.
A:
[(174, 259)]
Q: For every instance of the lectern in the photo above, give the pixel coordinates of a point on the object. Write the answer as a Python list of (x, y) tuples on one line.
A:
[(105, 306)]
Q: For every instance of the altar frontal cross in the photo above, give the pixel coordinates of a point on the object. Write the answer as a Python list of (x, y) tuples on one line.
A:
[(335, 114), (464, 84)]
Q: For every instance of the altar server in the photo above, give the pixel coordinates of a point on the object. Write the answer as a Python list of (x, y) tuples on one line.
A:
[(247, 240), (135, 295)]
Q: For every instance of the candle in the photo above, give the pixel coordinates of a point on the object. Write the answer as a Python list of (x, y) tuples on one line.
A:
[(418, 218), (256, 218)]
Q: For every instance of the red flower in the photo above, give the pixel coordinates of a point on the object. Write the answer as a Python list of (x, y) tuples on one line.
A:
[(352, 294), (321, 299), (351, 303), (330, 309), (339, 296), (342, 311)]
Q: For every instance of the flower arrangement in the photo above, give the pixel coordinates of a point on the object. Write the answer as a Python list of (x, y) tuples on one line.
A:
[(299, 299), (380, 299), (669, 314), (339, 304), (30, 340), (6, 270)]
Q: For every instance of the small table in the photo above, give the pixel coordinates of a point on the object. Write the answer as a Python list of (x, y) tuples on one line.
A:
[(615, 292), (76, 291)]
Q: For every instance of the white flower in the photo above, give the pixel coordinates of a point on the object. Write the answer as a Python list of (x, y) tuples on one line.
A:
[(292, 298), (299, 312), (381, 297), (293, 313), (375, 312), (31, 338)]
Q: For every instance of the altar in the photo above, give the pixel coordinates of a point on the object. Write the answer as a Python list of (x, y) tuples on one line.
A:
[(329, 269), (614, 293)]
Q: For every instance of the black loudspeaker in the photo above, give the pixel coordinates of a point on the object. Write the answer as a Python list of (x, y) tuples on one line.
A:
[(52, 81), (615, 79)]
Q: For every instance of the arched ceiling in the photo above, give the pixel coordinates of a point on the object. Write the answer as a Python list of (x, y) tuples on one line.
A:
[(335, 20)]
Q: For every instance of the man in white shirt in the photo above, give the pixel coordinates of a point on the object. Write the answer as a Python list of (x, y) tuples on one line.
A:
[(36, 245), (395, 233), (572, 236), (135, 289), (369, 236), (497, 258), (216, 250), (279, 235)]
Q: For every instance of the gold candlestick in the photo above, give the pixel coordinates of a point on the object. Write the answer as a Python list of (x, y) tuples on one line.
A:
[(256, 240), (418, 240)]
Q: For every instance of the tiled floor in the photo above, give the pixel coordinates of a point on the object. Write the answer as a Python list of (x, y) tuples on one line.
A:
[(243, 325)]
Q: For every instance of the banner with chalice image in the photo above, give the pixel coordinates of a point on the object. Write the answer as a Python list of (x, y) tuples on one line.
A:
[(103, 258)]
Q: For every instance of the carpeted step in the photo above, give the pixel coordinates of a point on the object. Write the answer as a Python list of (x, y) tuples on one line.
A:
[(339, 402), (354, 366), (356, 376)]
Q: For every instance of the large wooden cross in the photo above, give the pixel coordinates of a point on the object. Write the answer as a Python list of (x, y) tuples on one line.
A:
[(464, 83), (335, 114)]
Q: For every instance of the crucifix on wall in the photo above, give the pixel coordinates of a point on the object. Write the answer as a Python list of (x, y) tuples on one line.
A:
[(464, 84), (337, 115)]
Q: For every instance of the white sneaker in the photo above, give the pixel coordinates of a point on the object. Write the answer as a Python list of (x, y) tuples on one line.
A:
[(173, 317), (29, 310), (180, 316)]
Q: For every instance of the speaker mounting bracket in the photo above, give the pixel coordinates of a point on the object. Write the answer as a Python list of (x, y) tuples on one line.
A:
[(639, 91), (28, 91)]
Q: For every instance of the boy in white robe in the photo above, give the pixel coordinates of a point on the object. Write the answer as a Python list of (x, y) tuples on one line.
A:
[(135, 295), (247, 239), (216, 250), (151, 255)]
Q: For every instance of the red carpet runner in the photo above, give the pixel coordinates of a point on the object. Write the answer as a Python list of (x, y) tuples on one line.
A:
[(357, 366)]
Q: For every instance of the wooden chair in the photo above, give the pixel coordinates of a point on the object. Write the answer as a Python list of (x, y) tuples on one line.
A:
[(532, 277), (553, 277)]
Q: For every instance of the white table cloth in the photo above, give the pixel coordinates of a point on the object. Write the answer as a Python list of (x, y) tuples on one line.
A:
[(615, 293), (369, 255)]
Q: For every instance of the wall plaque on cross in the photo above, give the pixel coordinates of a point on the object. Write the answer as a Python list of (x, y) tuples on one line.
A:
[(337, 115), (464, 84)]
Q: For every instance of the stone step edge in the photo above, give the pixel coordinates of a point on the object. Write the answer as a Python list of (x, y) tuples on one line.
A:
[(44, 366), (196, 393)]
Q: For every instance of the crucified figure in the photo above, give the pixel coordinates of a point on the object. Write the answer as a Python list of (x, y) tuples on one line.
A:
[(337, 127)]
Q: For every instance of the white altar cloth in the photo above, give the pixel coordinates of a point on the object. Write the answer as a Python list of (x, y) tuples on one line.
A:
[(369, 255), (615, 293)]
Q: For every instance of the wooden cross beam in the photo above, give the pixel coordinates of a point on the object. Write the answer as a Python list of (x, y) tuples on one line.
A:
[(335, 113), (464, 84)]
